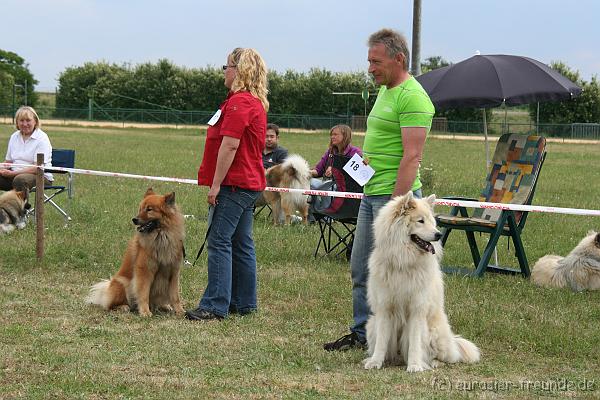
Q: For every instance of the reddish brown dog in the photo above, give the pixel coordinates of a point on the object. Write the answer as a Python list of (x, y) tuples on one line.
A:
[(149, 275)]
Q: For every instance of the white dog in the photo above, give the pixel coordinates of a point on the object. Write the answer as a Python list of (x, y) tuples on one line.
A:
[(580, 270), (405, 291)]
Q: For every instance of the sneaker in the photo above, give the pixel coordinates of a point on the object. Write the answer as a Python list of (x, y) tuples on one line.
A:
[(201, 315), (346, 342)]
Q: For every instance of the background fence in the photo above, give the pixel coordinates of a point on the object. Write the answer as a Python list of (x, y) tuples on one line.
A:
[(308, 122)]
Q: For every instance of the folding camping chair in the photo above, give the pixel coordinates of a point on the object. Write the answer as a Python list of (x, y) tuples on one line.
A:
[(337, 222), (63, 158), (512, 179)]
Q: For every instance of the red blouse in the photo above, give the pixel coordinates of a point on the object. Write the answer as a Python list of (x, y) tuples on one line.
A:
[(242, 117)]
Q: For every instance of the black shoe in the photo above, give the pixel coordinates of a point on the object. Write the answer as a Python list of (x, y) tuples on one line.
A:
[(201, 315), (349, 341)]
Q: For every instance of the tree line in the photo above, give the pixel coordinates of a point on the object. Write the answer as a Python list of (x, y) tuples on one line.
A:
[(16, 81), (168, 86)]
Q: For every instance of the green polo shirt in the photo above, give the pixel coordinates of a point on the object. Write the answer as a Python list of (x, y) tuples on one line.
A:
[(406, 105)]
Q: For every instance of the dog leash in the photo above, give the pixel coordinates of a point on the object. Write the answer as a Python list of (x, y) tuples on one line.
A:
[(201, 247), (204, 242)]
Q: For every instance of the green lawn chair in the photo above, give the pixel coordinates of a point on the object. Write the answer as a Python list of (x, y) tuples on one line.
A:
[(512, 179)]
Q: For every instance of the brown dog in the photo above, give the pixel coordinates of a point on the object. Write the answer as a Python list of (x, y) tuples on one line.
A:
[(293, 173), (13, 210), (149, 275)]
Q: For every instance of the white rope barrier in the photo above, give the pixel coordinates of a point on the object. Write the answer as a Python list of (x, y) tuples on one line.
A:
[(347, 195)]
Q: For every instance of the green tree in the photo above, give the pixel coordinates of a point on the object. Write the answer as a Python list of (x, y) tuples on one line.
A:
[(6, 87), (92, 80), (14, 65), (432, 63)]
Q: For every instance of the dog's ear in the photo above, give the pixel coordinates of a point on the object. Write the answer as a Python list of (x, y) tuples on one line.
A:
[(149, 192), (431, 200), (23, 194), (406, 203), (170, 199)]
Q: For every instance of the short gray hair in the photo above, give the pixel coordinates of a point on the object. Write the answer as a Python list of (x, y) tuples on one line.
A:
[(394, 42)]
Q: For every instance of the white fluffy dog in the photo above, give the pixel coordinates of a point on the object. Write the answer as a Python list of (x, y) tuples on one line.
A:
[(580, 270), (405, 291)]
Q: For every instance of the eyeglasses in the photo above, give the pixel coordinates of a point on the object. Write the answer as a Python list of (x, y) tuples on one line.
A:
[(228, 66)]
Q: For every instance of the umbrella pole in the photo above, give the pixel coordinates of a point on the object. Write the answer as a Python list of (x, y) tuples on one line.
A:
[(487, 144), (537, 122)]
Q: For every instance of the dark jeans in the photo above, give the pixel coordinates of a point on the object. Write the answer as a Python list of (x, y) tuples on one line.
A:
[(359, 261), (231, 256)]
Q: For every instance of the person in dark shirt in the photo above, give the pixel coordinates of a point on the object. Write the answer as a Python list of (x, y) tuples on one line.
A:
[(273, 154)]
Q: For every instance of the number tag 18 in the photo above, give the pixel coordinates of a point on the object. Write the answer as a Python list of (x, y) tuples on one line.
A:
[(358, 171)]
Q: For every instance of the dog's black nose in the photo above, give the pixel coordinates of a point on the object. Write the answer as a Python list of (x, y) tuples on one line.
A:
[(438, 236), (27, 206), (135, 221)]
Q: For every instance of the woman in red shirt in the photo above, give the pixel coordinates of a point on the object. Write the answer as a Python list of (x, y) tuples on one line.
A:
[(232, 169)]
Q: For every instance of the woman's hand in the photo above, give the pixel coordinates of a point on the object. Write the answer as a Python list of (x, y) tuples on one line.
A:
[(7, 173), (328, 172), (213, 192)]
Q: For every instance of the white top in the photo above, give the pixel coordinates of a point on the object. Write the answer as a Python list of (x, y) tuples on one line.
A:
[(25, 151)]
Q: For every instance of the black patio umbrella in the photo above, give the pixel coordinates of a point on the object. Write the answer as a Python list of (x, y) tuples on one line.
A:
[(491, 80)]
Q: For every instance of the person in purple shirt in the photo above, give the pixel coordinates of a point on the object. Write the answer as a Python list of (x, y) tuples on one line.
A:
[(340, 143)]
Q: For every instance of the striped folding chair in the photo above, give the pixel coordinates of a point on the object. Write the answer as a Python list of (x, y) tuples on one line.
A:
[(512, 179)]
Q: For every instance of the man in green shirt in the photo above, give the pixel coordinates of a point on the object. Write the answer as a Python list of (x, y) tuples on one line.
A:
[(396, 130)]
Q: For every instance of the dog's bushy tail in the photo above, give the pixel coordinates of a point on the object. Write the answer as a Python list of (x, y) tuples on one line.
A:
[(107, 294), (297, 167), (544, 272), (469, 353)]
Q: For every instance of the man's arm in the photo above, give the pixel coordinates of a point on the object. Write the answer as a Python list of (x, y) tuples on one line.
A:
[(413, 142)]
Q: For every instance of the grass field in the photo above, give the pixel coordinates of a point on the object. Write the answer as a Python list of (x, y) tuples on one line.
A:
[(534, 342)]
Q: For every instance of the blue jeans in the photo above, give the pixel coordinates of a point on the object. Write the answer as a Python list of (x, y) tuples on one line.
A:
[(231, 257), (361, 251)]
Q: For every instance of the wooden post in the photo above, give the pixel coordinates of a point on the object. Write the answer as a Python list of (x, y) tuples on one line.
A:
[(39, 208)]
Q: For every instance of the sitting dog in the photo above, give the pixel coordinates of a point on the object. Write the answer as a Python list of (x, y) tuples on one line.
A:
[(13, 210), (580, 270), (293, 173), (149, 275), (405, 291)]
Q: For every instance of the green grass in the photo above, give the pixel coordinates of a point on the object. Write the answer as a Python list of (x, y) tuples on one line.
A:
[(55, 346)]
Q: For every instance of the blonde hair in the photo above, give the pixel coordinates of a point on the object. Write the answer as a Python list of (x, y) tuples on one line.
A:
[(346, 135), (251, 74), (27, 112)]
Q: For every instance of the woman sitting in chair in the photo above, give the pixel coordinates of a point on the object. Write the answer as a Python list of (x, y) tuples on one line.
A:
[(339, 143), (23, 147)]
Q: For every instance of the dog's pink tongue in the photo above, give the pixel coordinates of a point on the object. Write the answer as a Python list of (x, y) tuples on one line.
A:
[(430, 248)]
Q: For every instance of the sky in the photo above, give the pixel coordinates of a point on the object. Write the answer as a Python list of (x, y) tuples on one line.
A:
[(52, 35)]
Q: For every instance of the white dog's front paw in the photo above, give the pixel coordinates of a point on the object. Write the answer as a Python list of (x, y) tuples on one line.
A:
[(20, 225), (416, 368), (6, 228), (372, 362)]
